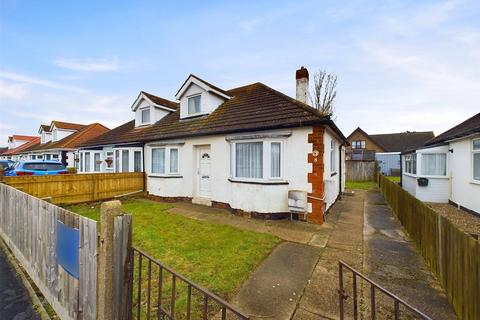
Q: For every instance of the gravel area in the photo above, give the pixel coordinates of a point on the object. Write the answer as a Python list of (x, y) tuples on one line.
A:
[(464, 220)]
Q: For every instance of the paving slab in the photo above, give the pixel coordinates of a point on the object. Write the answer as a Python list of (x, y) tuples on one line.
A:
[(273, 290), (391, 259)]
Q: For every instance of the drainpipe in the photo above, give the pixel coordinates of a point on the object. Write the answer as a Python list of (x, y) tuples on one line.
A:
[(401, 169), (144, 170), (340, 168)]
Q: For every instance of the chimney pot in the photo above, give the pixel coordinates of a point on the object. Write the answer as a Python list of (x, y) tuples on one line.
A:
[(301, 77)]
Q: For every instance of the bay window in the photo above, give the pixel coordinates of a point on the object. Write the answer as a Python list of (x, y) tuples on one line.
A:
[(434, 164), (476, 159), (127, 159), (257, 160), (165, 160)]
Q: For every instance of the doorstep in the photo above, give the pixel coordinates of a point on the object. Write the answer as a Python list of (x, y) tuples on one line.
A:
[(202, 201)]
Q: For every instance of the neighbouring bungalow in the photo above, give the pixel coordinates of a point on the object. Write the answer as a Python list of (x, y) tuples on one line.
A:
[(447, 167), (17, 144), (243, 149), (384, 148), (59, 141)]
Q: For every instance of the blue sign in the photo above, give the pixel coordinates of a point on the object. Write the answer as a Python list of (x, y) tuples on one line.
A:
[(68, 239)]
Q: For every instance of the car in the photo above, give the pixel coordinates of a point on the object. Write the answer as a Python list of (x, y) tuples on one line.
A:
[(4, 164), (36, 168)]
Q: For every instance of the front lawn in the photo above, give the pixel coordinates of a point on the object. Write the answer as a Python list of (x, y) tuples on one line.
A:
[(363, 185), (219, 257)]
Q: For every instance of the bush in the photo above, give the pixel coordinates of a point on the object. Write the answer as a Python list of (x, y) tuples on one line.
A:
[(72, 170)]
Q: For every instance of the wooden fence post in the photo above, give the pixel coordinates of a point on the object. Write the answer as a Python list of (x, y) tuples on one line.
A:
[(113, 262)]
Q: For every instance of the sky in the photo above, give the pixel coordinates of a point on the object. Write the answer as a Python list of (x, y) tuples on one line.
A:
[(401, 65)]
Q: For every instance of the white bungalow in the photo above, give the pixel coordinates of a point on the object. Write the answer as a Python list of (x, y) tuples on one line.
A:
[(447, 168)]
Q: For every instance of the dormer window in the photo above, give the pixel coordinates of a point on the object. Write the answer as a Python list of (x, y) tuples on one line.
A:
[(145, 115), (194, 104)]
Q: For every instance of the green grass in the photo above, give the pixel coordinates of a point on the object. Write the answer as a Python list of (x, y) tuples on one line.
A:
[(363, 185), (218, 257), (394, 179)]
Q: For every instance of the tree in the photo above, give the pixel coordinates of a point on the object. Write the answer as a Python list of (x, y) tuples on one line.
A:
[(324, 92)]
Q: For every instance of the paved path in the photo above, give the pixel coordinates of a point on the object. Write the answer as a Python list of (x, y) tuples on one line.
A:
[(370, 238), (272, 292), (15, 303)]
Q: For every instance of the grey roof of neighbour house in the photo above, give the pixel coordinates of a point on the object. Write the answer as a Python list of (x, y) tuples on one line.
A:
[(466, 128), (400, 142)]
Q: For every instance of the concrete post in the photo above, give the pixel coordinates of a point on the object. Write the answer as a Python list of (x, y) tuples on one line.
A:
[(110, 246)]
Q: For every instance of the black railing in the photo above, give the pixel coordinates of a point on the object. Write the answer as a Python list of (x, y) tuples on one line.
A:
[(158, 292), (399, 306)]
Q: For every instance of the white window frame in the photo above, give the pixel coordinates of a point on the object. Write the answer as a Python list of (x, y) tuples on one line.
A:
[(149, 115), (167, 160), (474, 152), (188, 104), (413, 164), (94, 162), (131, 159), (420, 168), (266, 161), (111, 155), (333, 156)]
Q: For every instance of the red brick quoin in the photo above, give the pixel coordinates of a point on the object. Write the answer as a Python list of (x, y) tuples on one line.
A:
[(316, 176)]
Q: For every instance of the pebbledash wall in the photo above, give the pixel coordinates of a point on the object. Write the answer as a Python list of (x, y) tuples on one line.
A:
[(264, 199)]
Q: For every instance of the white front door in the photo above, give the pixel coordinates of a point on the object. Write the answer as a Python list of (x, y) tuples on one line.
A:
[(204, 172)]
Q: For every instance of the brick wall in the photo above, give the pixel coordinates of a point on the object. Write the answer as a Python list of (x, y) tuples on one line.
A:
[(316, 176)]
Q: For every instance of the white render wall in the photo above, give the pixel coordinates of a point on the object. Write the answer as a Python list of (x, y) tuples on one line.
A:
[(438, 189), (248, 197), (464, 191), (155, 113), (332, 177)]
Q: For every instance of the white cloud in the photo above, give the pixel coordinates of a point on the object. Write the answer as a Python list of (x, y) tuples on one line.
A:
[(89, 65), (39, 82), (12, 91)]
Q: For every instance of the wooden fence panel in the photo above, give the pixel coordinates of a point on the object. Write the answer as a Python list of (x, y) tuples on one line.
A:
[(360, 170), (28, 226), (453, 255), (78, 188)]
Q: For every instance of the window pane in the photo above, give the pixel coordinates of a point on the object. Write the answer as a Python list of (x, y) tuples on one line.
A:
[(414, 163), (173, 160), (125, 164), (96, 159), (476, 144), (110, 159), (194, 105), (275, 160), (158, 160), (434, 164), (117, 160), (332, 156), (249, 160), (476, 166), (87, 161), (137, 161), (146, 116)]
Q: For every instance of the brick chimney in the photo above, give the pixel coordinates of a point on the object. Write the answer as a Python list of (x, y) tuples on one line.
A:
[(301, 77)]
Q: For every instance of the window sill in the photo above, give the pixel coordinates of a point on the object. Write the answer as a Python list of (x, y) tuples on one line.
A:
[(265, 182), (475, 182), (176, 176)]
